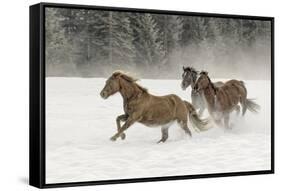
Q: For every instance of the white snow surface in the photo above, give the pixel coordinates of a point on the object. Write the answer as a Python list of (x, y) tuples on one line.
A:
[(79, 124)]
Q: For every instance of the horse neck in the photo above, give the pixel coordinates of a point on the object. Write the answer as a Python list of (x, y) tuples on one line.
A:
[(129, 90), (210, 95), (193, 81)]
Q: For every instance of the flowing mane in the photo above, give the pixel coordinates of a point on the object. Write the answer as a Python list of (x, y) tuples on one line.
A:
[(129, 78), (211, 83)]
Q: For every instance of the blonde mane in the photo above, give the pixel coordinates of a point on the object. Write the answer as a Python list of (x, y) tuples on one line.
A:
[(129, 78)]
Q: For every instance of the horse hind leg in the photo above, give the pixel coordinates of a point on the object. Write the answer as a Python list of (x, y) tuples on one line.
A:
[(237, 109), (243, 104), (183, 125), (244, 107), (165, 134), (226, 121), (218, 122)]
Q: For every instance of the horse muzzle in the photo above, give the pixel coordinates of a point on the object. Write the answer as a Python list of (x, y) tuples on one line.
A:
[(103, 94), (196, 90), (183, 86)]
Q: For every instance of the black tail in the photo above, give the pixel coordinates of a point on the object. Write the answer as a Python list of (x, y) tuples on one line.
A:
[(197, 123)]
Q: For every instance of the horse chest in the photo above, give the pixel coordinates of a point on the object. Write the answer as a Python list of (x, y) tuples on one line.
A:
[(127, 108), (197, 99), (131, 107)]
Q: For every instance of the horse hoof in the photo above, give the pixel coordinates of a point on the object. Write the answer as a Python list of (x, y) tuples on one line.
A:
[(160, 141), (123, 136), (113, 139)]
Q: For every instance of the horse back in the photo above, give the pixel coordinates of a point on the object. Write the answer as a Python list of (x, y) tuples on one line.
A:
[(230, 93), (161, 110)]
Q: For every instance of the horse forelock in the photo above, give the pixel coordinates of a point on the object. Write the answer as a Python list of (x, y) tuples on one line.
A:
[(191, 73), (124, 75)]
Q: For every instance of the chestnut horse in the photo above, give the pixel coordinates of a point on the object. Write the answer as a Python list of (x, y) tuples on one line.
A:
[(189, 78), (222, 100), (150, 110)]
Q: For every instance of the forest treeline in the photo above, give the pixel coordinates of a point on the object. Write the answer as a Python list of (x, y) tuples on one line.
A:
[(93, 43)]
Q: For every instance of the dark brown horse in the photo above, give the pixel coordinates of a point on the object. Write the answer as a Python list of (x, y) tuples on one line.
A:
[(150, 110), (222, 100), (189, 78)]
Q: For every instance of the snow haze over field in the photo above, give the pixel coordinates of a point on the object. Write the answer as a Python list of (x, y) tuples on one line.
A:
[(79, 124)]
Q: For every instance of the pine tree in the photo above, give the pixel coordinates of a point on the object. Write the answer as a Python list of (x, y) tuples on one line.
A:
[(89, 47), (248, 32), (177, 31), (148, 42), (120, 47), (57, 47)]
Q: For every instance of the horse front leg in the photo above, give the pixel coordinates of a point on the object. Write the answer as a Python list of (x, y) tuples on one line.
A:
[(165, 134), (226, 121), (120, 118), (183, 125), (127, 124), (200, 112), (198, 103), (218, 122), (237, 109)]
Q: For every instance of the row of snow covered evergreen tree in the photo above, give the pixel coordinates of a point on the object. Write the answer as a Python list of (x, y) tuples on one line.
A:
[(86, 43)]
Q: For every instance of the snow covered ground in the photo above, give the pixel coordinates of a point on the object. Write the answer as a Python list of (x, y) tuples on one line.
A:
[(79, 124)]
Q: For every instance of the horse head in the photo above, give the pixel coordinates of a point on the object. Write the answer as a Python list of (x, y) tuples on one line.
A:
[(202, 82), (116, 82), (112, 85), (188, 77)]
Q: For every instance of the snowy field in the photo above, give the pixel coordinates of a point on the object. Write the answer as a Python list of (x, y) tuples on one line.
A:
[(79, 124)]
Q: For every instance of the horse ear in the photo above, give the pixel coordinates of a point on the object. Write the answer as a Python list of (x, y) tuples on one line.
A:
[(204, 72), (116, 74), (183, 68), (125, 77)]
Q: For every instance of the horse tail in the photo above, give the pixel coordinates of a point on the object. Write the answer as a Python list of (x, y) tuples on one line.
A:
[(251, 106), (197, 123)]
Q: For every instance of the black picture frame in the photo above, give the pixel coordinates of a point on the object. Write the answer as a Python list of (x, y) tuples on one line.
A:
[(37, 96)]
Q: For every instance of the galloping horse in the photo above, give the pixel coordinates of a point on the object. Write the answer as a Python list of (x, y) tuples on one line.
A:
[(150, 110), (222, 100), (189, 78)]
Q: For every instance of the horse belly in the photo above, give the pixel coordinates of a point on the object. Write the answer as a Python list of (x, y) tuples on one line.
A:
[(227, 100), (155, 117), (157, 124)]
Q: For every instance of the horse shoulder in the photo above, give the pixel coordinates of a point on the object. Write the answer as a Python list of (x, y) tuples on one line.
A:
[(135, 106)]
